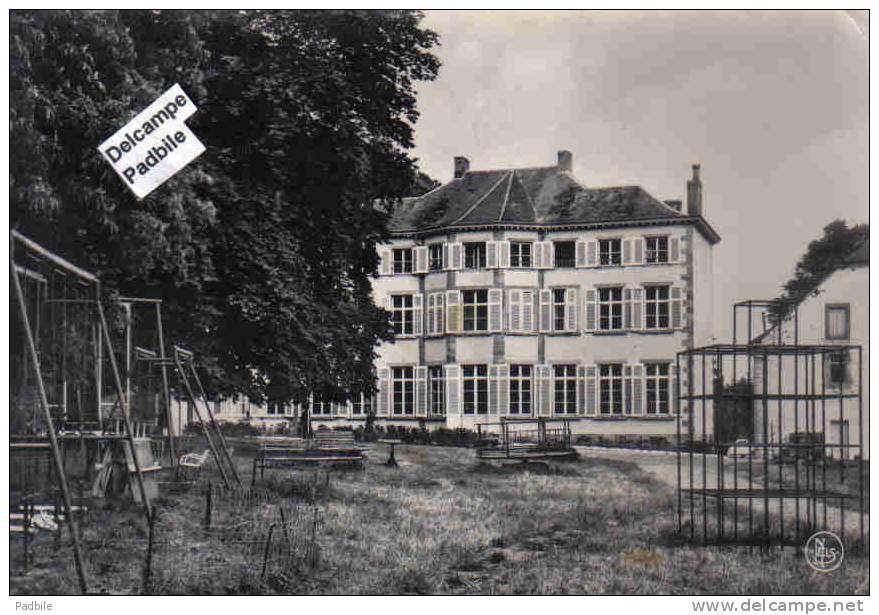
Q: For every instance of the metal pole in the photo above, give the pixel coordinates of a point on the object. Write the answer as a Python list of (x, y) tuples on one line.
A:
[(165, 389), (213, 421), (50, 427)]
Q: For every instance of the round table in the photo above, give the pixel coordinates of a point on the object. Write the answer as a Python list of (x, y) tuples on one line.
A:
[(392, 460)]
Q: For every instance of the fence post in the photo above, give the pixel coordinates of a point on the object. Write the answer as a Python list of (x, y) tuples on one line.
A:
[(265, 555), (207, 511), (148, 568)]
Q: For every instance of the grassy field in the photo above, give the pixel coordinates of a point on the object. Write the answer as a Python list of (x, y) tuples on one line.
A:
[(442, 523)]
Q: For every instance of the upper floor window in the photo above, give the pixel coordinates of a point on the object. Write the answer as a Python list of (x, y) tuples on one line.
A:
[(435, 257), (610, 388), (475, 389), (565, 389), (474, 255), (403, 386), (402, 312), (610, 308), (837, 321), (658, 383), (837, 368), (565, 253), (657, 307), (558, 309), (436, 389), (475, 303), (402, 260), (610, 251), (520, 389), (656, 249), (520, 254)]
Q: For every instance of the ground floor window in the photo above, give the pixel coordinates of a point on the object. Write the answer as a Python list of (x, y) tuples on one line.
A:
[(321, 408), (361, 404), (565, 389), (610, 386), (658, 383), (475, 389), (436, 390), (520, 389), (404, 390)]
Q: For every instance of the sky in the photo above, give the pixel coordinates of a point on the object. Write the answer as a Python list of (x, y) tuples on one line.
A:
[(773, 105)]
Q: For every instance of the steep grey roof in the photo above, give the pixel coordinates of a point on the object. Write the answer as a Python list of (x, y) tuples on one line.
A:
[(544, 196)]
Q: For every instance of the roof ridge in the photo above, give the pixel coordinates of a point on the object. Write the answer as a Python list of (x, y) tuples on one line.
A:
[(480, 199), (508, 169), (507, 195)]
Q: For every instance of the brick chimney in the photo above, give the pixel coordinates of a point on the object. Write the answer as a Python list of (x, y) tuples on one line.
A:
[(566, 160), (462, 165), (694, 193)]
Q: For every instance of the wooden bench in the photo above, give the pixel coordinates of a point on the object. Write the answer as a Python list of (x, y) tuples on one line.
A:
[(274, 456)]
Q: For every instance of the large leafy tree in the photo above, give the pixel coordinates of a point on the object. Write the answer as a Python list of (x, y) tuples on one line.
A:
[(262, 249)]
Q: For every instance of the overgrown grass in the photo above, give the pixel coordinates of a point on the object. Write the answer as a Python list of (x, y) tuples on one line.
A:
[(443, 523)]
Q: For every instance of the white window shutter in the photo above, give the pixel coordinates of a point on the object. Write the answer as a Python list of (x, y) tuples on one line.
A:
[(438, 312), (674, 249), (417, 314), (453, 311), (453, 389), (514, 311), (581, 389), (638, 251), (456, 256), (495, 309), (571, 309), (591, 389), (491, 255), (637, 390), (673, 392), (592, 253), (503, 254), (493, 389), (447, 256), (545, 310), (627, 389), (627, 251), (581, 253), (420, 254), (676, 308), (503, 389), (544, 384), (389, 303), (537, 255), (591, 309), (527, 311), (387, 262), (384, 391), (548, 255), (421, 390), (637, 309), (627, 308)]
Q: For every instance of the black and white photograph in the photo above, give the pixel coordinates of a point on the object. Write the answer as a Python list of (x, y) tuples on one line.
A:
[(439, 302)]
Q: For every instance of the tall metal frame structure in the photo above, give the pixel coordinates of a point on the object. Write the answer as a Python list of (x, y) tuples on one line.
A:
[(798, 473)]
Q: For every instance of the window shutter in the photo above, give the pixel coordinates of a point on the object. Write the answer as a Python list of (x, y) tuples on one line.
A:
[(548, 255), (384, 391), (627, 251), (417, 314), (545, 310), (544, 385), (637, 309), (491, 256), (638, 251), (420, 255), (581, 254), (389, 303), (591, 307), (493, 386), (627, 308), (421, 390), (453, 311), (537, 255), (592, 253), (627, 389), (503, 389), (453, 389), (495, 309), (674, 250), (503, 254), (571, 309), (673, 392), (637, 390), (456, 256), (676, 308), (514, 311), (581, 389), (440, 306), (386, 265), (591, 402), (527, 311)]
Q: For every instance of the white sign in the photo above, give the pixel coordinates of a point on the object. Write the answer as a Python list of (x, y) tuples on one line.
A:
[(154, 145)]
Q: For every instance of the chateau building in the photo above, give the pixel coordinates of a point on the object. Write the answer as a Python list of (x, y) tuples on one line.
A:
[(522, 293)]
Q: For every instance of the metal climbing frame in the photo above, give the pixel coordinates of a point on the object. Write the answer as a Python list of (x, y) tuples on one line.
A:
[(525, 439), (56, 395), (771, 437)]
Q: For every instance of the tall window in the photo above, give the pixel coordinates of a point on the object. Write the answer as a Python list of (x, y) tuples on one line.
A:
[(658, 383), (475, 304), (475, 389), (361, 404), (610, 309), (610, 386), (436, 390), (565, 385), (435, 256), (609, 251), (565, 253), (837, 322), (558, 309), (520, 389), (402, 312), (404, 390), (657, 249), (656, 307), (520, 254), (320, 407), (402, 260), (474, 255)]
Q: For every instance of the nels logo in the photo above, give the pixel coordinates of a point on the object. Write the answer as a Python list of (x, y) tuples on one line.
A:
[(824, 551)]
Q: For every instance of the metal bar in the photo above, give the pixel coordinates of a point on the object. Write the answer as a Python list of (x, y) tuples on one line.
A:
[(140, 300), (165, 388), (47, 415), (214, 423), (52, 257)]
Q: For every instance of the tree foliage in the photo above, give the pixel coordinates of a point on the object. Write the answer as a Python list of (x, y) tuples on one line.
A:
[(822, 257), (262, 249)]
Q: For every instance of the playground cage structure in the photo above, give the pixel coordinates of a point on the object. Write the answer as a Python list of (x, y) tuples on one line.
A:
[(525, 439)]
